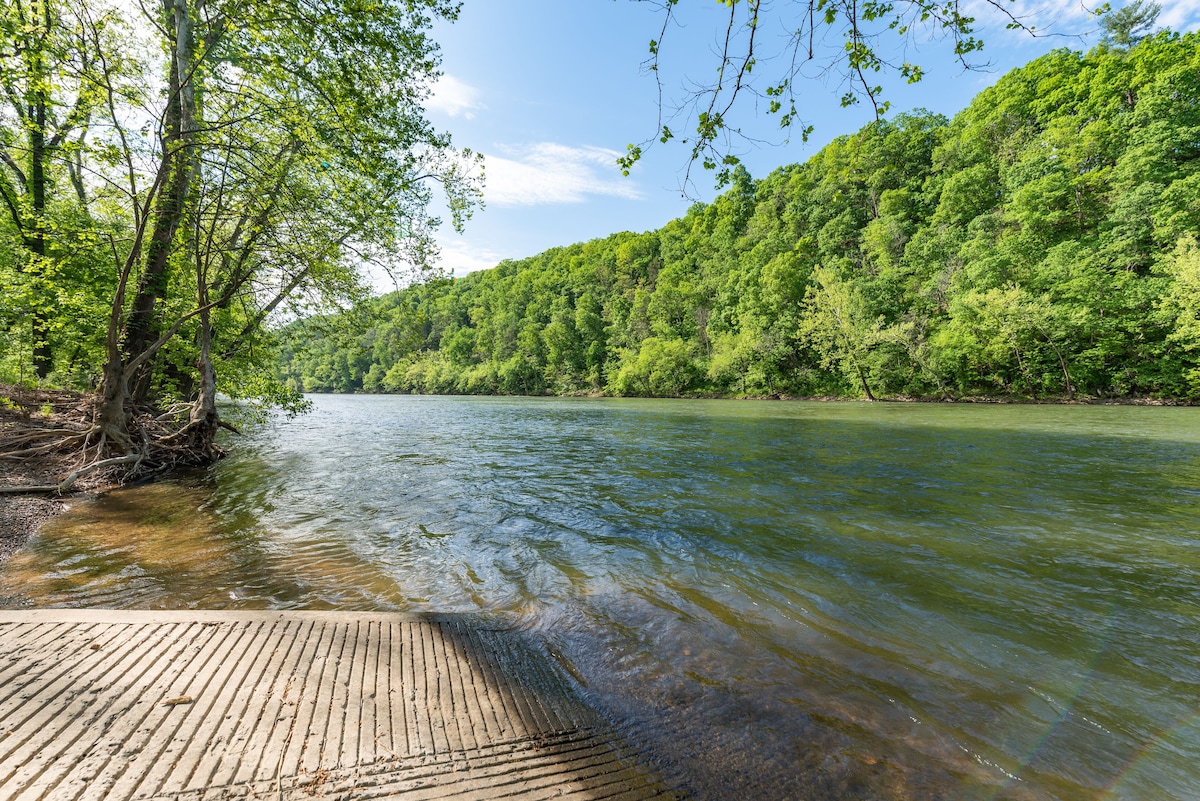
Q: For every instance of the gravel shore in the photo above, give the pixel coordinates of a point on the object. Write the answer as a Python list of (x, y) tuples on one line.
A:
[(20, 518), (22, 515)]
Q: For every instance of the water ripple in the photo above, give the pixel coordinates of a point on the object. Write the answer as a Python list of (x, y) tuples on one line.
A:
[(809, 601)]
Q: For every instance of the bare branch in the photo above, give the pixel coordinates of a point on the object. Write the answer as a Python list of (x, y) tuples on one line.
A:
[(864, 28)]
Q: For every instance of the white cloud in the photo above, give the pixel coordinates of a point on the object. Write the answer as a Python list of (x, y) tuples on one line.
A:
[(1070, 19), (1180, 15), (455, 98), (1049, 18), (455, 256), (461, 258), (550, 173)]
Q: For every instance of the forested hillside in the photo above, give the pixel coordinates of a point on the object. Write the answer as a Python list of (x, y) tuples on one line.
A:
[(1040, 244)]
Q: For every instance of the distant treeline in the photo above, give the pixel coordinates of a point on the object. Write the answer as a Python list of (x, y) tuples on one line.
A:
[(1041, 244)]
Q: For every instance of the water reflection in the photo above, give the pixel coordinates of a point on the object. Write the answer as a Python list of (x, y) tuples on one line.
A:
[(783, 600)]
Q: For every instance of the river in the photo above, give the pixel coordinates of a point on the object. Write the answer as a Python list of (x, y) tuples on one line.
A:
[(779, 600)]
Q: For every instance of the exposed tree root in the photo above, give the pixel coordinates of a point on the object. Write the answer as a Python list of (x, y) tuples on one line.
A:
[(56, 435), (29, 489), (134, 458)]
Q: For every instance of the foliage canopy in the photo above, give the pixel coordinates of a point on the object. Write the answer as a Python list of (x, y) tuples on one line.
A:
[(175, 176), (1036, 245)]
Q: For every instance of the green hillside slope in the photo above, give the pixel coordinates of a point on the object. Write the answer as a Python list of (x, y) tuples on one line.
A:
[(1041, 244)]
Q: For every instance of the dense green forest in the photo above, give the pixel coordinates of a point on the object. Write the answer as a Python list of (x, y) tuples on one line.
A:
[(1040, 244)]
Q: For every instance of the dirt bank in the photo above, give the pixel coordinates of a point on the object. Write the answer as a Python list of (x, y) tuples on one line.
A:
[(22, 412)]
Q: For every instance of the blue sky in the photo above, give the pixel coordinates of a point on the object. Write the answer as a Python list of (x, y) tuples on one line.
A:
[(552, 91)]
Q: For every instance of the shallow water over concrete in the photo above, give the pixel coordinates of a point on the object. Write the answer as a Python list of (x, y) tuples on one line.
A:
[(118, 705), (784, 600)]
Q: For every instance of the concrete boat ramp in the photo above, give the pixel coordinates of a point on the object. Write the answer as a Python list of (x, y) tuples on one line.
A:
[(200, 706)]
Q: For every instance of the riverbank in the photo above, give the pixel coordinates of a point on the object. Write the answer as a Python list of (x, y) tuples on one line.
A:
[(22, 412), (1012, 400), (20, 519), (51, 446)]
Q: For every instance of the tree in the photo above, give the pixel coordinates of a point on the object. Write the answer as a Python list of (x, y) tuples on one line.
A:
[(840, 328), (1126, 26), (45, 66), (1180, 305), (659, 368), (275, 163)]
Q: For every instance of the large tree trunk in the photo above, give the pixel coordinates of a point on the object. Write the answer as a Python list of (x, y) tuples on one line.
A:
[(111, 415), (43, 356), (204, 420), (140, 328), (128, 366), (179, 165)]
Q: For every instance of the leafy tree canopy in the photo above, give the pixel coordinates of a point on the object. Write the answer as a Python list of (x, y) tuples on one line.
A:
[(176, 176), (1040, 244)]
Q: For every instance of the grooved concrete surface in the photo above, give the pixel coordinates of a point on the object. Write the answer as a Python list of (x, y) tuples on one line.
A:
[(105, 704)]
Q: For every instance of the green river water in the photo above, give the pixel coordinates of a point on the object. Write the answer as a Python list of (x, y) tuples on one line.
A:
[(778, 600)]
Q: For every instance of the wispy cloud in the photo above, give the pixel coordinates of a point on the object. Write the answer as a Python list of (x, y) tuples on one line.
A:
[(455, 98), (1180, 15), (1071, 19), (461, 258), (550, 173), (1067, 19)]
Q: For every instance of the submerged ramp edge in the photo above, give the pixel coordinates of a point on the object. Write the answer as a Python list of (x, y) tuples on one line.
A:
[(204, 705)]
